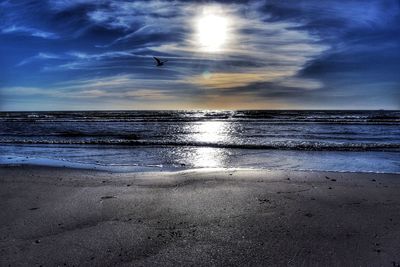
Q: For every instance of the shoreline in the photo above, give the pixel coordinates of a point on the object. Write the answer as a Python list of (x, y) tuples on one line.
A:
[(65, 164), (56, 216)]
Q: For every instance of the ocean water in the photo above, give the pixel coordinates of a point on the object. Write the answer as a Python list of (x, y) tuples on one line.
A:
[(367, 141)]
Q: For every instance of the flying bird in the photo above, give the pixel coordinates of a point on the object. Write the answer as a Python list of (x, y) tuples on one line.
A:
[(159, 61)]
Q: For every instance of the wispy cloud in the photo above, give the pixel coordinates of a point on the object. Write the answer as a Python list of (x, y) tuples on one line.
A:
[(38, 57), (120, 86), (129, 15), (220, 80), (276, 50), (29, 31)]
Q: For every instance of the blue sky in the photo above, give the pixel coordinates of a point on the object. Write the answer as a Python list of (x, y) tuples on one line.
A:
[(87, 54)]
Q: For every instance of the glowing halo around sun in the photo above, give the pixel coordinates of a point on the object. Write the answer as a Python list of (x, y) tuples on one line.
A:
[(212, 32)]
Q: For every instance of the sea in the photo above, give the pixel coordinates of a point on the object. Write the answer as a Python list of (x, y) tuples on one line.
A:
[(314, 140)]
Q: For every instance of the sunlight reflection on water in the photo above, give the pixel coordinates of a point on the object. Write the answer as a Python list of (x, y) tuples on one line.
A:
[(209, 132), (207, 157)]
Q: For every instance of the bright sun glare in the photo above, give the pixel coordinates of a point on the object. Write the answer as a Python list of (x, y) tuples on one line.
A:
[(212, 31)]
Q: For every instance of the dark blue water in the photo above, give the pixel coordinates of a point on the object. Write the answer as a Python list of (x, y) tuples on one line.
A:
[(366, 141)]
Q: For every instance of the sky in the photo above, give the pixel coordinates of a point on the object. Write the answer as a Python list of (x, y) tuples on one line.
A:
[(272, 54)]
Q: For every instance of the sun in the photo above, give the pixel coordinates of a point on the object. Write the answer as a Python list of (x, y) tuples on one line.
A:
[(212, 32)]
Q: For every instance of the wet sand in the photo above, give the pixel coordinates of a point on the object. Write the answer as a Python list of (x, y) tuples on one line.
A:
[(60, 216)]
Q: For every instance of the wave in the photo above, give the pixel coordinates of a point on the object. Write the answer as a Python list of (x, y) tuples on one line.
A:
[(337, 117), (310, 146), (276, 119), (130, 136)]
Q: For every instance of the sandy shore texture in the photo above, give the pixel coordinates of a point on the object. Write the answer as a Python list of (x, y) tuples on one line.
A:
[(70, 217)]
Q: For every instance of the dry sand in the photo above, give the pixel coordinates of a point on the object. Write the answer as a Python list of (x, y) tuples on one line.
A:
[(59, 216)]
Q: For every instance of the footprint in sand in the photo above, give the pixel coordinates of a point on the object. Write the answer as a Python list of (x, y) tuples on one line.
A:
[(107, 197)]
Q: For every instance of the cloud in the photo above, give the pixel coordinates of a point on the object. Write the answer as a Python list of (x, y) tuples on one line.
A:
[(220, 80), (119, 86), (128, 15), (29, 31), (39, 56), (256, 51), (22, 91), (293, 82), (115, 87), (295, 52)]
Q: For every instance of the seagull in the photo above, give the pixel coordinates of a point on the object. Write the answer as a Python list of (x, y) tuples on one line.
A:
[(159, 62)]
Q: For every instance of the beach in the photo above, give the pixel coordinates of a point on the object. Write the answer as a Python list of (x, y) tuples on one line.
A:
[(74, 217), (199, 133)]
